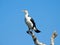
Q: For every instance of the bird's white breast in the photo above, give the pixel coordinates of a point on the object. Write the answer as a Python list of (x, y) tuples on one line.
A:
[(29, 23)]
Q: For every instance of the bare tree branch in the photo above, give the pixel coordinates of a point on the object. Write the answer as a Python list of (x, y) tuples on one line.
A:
[(54, 35), (35, 39)]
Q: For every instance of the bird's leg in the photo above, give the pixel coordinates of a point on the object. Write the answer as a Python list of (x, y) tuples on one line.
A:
[(28, 31)]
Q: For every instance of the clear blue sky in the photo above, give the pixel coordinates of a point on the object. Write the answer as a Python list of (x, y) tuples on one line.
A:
[(46, 14)]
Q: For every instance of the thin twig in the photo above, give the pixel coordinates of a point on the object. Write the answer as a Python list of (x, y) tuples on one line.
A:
[(54, 35)]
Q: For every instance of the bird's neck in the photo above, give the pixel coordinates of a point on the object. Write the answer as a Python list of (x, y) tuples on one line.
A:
[(26, 14)]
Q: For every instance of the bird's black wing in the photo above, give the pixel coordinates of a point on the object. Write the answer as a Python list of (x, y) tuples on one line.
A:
[(33, 22)]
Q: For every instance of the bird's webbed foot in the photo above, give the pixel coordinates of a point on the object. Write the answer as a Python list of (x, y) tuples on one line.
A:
[(27, 32)]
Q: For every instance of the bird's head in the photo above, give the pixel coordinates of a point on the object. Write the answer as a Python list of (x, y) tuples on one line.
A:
[(25, 11)]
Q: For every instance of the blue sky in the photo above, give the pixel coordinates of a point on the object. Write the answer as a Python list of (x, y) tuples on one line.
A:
[(46, 14)]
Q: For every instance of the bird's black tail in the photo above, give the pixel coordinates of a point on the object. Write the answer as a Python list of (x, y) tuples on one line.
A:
[(37, 31)]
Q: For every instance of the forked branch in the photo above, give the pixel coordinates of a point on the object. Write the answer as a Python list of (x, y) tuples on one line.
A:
[(36, 41)]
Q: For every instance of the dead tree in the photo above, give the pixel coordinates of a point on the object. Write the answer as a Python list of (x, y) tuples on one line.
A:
[(37, 42)]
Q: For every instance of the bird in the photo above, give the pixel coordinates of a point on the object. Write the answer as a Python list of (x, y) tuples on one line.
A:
[(30, 22)]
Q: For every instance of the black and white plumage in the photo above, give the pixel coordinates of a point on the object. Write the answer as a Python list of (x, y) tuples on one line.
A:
[(30, 22)]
